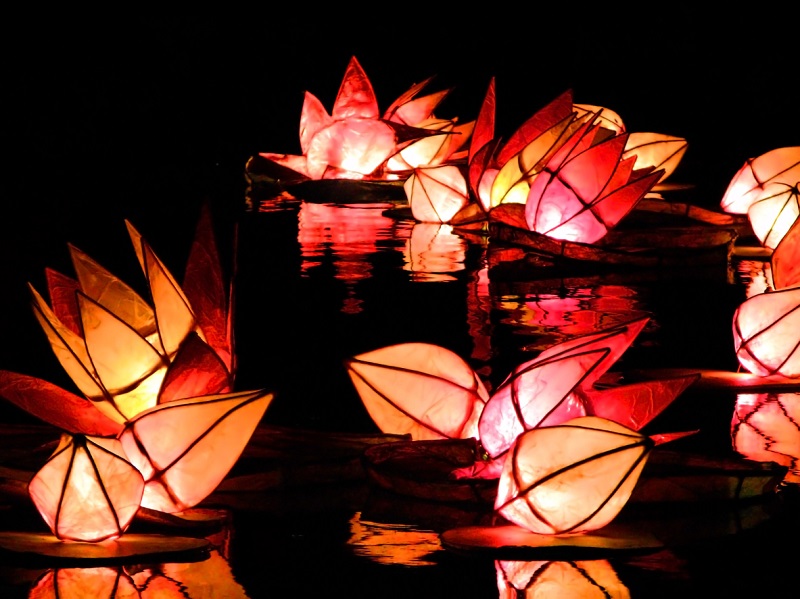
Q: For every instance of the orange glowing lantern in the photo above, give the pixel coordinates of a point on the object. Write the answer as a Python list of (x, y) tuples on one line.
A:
[(572, 477), (437, 193), (87, 490), (419, 389), (355, 141), (774, 212), (578, 579), (781, 165), (656, 150), (184, 448), (766, 333), (587, 187)]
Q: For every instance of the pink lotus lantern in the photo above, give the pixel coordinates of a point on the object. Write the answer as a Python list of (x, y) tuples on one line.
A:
[(87, 490), (572, 477), (436, 194), (774, 212), (587, 187), (355, 141), (781, 165), (419, 389), (766, 333)]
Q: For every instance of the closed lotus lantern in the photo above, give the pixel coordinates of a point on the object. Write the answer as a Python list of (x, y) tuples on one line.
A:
[(774, 212), (87, 490), (572, 477), (766, 333), (781, 165), (436, 193)]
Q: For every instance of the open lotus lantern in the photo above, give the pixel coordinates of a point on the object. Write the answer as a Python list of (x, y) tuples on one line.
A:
[(356, 141), (429, 392), (157, 419), (749, 184)]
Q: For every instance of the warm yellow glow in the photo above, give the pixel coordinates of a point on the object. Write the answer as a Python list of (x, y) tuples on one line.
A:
[(436, 194)]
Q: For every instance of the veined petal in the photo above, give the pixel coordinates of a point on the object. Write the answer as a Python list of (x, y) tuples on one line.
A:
[(356, 98)]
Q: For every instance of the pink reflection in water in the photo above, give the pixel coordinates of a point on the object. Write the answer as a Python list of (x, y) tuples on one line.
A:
[(766, 428)]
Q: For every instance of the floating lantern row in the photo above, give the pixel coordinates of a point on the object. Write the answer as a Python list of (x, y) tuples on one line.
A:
[(590, 455), (356, 141), (766, 325), (157, 424)]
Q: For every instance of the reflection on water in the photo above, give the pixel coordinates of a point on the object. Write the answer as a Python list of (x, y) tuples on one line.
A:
[(766, 428), (397, 544), (433, 252), (580, 579)]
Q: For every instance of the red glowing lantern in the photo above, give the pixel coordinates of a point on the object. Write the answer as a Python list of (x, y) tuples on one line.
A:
[(419, 389), (184, 448), (774, 212), (436, 194), (587, 187), (781, 165), (572, 477), (87, 490), (766, 333)]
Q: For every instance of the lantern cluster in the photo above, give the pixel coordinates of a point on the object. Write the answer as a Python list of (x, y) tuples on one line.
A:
[(766, 324), (358, 141), (428, 392), (574, 168), (157, 424)]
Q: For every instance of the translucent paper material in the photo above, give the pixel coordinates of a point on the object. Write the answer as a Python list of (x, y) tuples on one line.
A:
[(766, 333), (781, 165), (588, 187), (550, 579), (419, 389), (656, 150), (436, 194), (86, 491), (185, 448), (785, 259), (571, 478), (774, 212)]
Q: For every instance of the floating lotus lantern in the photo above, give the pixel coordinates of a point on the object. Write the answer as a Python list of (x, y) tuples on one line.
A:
[(774, 212), (572, 477), (356, 141), (766, 333), (87, 490), (436, 194), (587, 187), (781, 165), (157, 408), (420, 389)]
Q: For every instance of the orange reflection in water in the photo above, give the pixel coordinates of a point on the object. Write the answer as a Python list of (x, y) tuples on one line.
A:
[(587, 579), (766, 428), (397, 544), (211, 577)]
